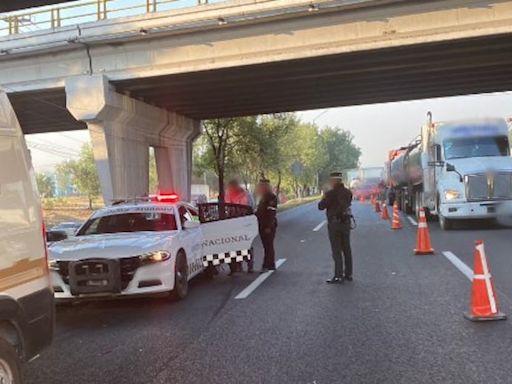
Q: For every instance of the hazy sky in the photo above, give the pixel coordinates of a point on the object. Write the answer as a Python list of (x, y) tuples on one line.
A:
[(376, 128)]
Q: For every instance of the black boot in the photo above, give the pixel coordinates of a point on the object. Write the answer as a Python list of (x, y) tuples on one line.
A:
[(335, 280)]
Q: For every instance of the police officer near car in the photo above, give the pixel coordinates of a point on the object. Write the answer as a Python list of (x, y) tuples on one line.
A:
[(337, 202), (266, 213)]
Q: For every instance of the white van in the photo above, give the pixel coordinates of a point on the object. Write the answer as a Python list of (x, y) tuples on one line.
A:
[(26, 296)]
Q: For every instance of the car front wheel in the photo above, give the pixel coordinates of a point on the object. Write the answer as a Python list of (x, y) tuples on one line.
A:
[(10, 369), (180, 277)]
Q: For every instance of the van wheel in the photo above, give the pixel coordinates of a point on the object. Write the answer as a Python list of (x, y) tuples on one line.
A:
[(180, 277), (10, 368)]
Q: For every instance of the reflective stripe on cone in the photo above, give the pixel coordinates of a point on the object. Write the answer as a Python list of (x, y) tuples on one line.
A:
[(395, 224)]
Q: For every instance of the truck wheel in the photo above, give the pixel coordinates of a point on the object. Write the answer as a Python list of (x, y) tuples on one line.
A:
[(180, 277), (444, 223), (10, 367)]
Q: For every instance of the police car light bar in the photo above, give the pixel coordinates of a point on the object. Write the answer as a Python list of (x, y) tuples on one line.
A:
[(164, 197)]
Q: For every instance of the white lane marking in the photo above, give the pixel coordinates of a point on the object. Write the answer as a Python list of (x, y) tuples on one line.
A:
[(468, 272), (258, 281), (319, 226), (413, 222), (459, 264)]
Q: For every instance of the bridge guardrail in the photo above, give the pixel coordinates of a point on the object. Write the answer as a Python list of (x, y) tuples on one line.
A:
[(51, 17)]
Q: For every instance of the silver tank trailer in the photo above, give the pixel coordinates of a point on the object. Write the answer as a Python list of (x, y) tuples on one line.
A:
[(406, 168)]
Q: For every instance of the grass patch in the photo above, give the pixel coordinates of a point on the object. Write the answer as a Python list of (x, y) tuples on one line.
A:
[(75, 208)]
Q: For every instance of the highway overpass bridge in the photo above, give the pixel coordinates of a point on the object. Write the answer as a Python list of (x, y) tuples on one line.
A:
[(149, 79)]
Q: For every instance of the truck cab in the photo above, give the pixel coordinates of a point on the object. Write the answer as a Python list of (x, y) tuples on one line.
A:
[(26, 297), (467, 170)]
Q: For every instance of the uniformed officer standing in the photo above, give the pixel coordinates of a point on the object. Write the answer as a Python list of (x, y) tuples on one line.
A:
[(267, 222), (337, 201)]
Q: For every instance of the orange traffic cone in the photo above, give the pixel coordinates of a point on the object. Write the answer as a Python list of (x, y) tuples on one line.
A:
[(423, 244), (395, 224), (384, 215), (377, 206), (484, 303)]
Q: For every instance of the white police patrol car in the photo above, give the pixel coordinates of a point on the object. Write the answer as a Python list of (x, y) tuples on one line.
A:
[(149, 246)]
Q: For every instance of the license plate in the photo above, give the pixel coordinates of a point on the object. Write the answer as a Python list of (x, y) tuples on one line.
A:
[(96, 283)]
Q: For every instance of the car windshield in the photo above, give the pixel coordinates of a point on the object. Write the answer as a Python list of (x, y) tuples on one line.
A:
[(476, 147), (129, 222)]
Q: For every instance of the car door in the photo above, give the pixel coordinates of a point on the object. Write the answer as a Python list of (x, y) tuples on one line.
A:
[(228, 238), (191, 239)]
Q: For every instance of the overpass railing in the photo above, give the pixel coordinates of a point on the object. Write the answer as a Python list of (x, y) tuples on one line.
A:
[(44, 18)]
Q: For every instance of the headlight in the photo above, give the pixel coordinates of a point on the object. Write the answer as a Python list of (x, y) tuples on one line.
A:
[(451, 194), (154, 257)]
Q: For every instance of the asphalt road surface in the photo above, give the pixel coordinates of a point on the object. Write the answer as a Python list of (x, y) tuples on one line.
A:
[(400, 320)]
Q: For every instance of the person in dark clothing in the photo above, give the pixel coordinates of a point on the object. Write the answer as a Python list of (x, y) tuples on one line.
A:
[(267, 222), (337, 202)]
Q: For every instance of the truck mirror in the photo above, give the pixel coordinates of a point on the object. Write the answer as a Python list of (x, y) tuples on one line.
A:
[(437, 151), (451, 168)]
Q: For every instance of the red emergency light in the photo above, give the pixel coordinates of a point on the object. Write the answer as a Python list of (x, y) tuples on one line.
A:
[(167, 197)]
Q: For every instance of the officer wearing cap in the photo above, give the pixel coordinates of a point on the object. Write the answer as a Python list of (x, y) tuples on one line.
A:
[(267, 221), (337, 202)]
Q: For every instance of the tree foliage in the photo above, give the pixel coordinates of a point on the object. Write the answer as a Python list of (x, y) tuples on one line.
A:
[(45, 185), (82, 173), (296, 156)]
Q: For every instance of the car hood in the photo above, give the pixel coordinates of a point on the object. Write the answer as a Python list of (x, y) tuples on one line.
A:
[(473, 165), (109, 246)]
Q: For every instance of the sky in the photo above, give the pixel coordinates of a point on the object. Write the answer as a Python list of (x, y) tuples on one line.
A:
[(376, 128)]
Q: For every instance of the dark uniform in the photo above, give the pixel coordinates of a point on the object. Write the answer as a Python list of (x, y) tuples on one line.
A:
[(267, 224), (337, 201)]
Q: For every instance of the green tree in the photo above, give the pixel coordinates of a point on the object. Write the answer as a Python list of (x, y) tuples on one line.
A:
[(251, 146), (308, 151), (222, 136), (83, 174), (341, 151), (45, 185)]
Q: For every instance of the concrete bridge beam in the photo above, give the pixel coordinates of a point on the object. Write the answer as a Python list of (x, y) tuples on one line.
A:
[(122, 129)]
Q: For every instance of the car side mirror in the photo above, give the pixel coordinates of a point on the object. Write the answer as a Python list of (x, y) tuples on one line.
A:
[(190, 224), (53, 236)]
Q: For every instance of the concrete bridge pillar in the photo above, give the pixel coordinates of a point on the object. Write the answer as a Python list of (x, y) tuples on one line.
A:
[(122, 129)]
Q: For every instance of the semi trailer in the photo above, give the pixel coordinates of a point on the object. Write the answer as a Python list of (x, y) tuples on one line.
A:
[(456, 170)]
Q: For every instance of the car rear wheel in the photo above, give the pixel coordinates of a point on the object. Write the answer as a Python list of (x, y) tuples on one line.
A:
[(180, 277), (10, 369)]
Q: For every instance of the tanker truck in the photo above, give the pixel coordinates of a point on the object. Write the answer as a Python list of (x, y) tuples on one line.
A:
[(456, 170)]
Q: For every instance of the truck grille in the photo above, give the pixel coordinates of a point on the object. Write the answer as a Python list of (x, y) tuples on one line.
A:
[(489, 186)]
